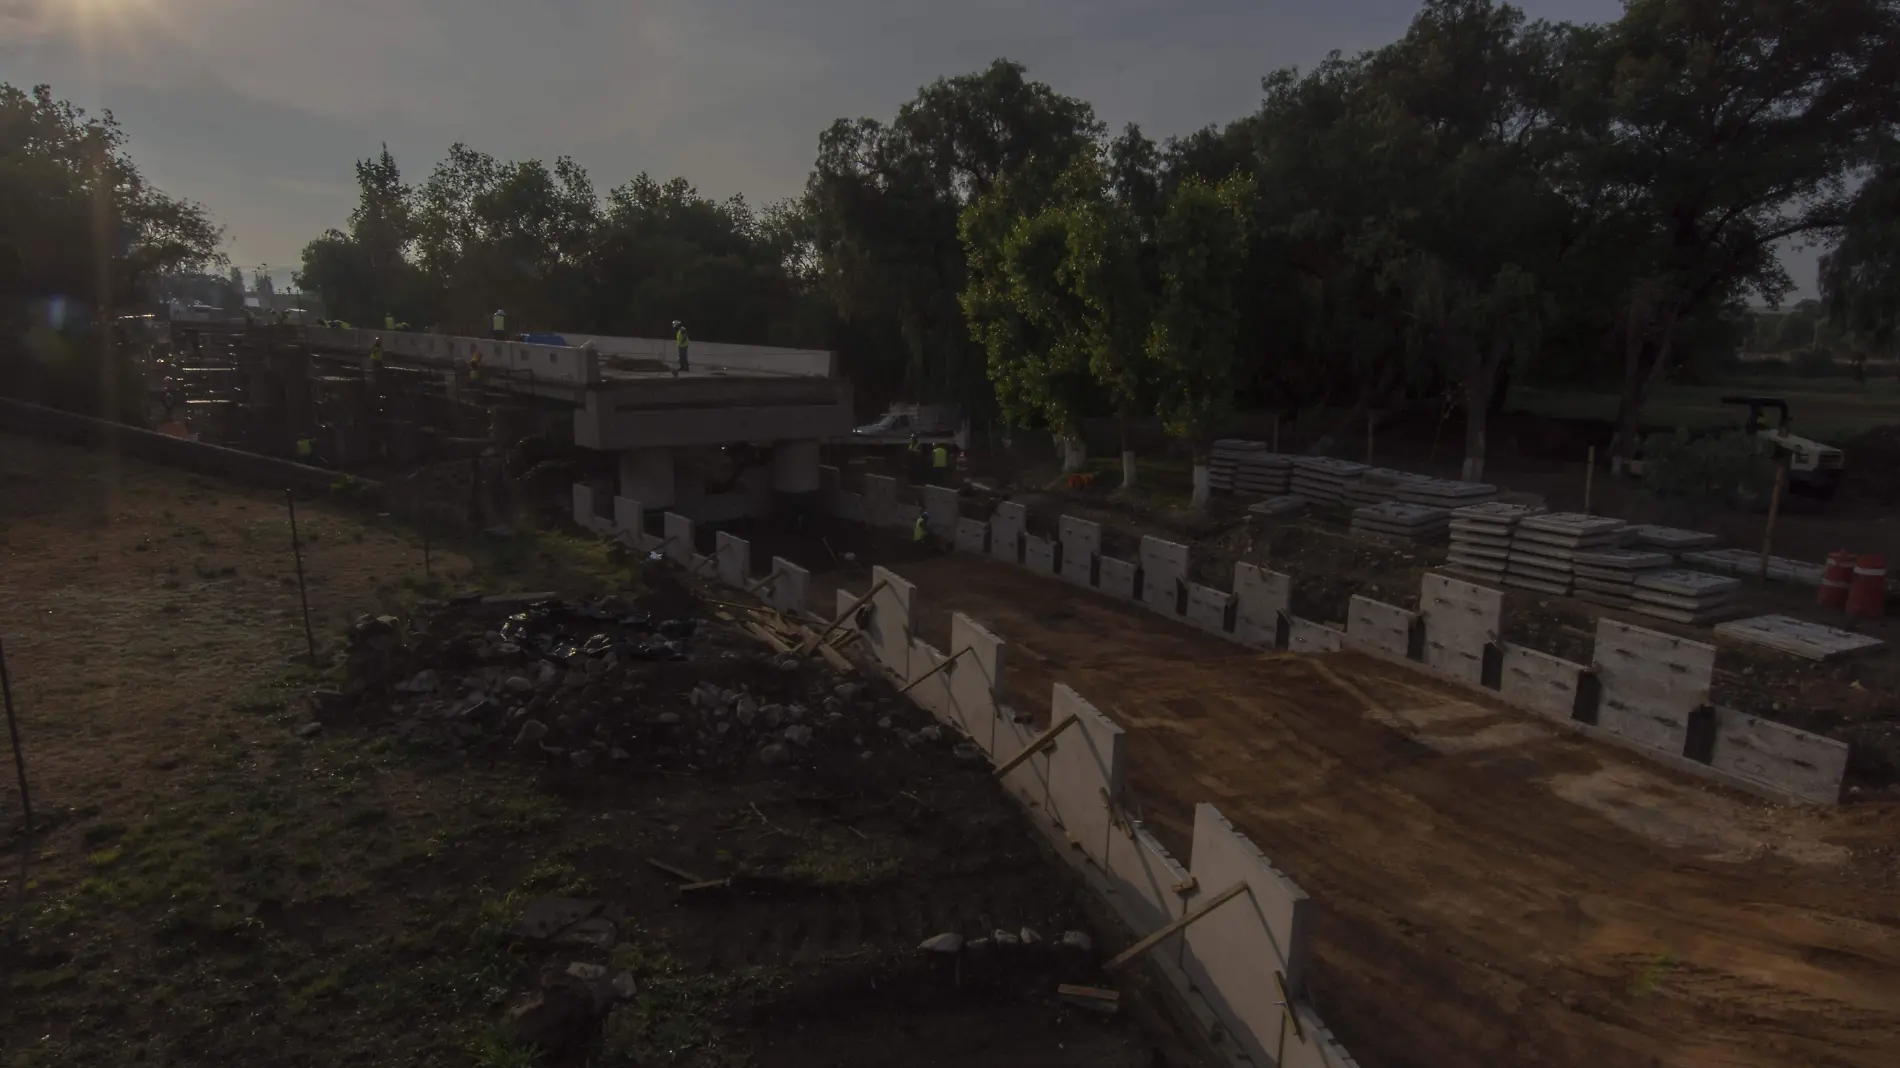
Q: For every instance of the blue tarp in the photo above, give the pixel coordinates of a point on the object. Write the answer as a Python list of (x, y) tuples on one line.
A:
[(544, 339)]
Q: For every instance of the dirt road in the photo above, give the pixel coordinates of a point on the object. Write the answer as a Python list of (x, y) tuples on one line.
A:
[(1491, 891)]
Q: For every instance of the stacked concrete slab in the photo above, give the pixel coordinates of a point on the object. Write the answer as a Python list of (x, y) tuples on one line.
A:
[(1608, 576), (1682, 596), (1277, 507), (1446, 493), (1408, 524), (1743, 562), (1481, 538), (1247, 468), (1322, 479), (1670, 539), (1543, 548), (1379, 485)]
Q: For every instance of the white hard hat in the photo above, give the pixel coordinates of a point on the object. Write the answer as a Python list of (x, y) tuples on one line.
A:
[(676, 322)]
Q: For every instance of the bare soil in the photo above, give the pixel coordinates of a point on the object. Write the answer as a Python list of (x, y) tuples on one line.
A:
[(205, 885), (1490, 889)]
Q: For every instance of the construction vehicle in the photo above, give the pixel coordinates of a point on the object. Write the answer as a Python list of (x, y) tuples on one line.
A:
[(1814, 469), (927, 422)]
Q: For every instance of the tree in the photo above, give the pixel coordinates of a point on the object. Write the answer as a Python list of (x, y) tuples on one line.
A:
[(365, 274), (1734, 125), (886, 204), (83, 235), (1202, 244), (1860, 277)]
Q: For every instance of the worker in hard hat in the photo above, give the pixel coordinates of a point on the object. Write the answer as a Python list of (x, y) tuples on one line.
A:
[(500, 322), (679, 338), (939, 465), (376, 354), (475, 363), (920, 530)]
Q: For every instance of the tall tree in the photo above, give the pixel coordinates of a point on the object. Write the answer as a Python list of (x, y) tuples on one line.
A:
[(1860, 277), (1202, 242), (886, 203), (1735, 126)]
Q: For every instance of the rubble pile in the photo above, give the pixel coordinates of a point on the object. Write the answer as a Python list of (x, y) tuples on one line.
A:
[(601, 684)]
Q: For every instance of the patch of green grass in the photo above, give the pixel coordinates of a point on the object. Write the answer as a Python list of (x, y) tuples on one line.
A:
[(835, 859)]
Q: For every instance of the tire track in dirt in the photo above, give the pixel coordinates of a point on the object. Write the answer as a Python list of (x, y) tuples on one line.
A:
[(1470, 913)]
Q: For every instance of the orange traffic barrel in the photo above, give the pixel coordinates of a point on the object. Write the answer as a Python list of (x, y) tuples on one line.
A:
[(1834, 580), (1867, 596)]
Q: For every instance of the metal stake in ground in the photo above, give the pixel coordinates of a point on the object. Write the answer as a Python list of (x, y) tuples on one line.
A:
[(303, 595), (13, 731)]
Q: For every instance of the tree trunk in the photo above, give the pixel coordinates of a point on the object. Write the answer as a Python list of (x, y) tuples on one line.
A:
[(1481, 374), (1128, 459), (1201, 482), (1645, 350), (1075, 453)]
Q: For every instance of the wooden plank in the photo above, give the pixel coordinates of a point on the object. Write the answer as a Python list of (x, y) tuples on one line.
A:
[(947, 661), (812, 643), (768, 637), (1036, 743), (678, 873), (1161, 934)]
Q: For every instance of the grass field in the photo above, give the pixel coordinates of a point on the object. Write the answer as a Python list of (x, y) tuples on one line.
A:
[(1827, 409)]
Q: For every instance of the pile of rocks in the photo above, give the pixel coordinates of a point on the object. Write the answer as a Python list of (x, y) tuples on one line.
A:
[(602, 685)]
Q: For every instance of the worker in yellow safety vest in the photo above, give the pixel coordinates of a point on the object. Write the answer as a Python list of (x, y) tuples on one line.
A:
[(376, 352), (389, 321), (939, 464), (474, 363), (500, 322), (679, 337), (304, 447), (918, 532)]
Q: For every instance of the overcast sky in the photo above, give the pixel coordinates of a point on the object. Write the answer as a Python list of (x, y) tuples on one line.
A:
[(258, 108)]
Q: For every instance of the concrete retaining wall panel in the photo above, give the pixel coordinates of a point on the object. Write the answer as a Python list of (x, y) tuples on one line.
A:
[(906, 515), (1207, 607), (1306, 636), (1117, 578), (1461, 618), (976, 684), (932, 694), (1261, 595), (1081, 544), (629, 517), (940, 503), (1805, 766), (1651, 682), (583, 506), (888, 633), (851, 507), (679, 539), (1234, 951), (1029, 780), (1039, 554), (734, 559), (1379, 628), (1313, 1045), (973, 536), (1540, 682), (880, 501), (1006, 532), (1085, 773), (790, 590), (1144, 875), (1164, 570)]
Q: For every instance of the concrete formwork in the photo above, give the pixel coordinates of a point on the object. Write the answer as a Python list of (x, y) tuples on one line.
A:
[(1039, 554), (1460, 620), (732, 559), (1081, 544), (880, 501), (679, 539), (929, 681), (1085, 773), (1313, 1044), (630, 521), (1117, 578), (973, 536), (1207, 607), (887, 634), (1379, 628), (1260, 597), (1306, 636), (1006, 532), (1540, 682), (1651, 683), (1240, 953), (976, 686), (790, 588), (1779, 757), (940, 504), (1150, 885), (1164, 572)]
